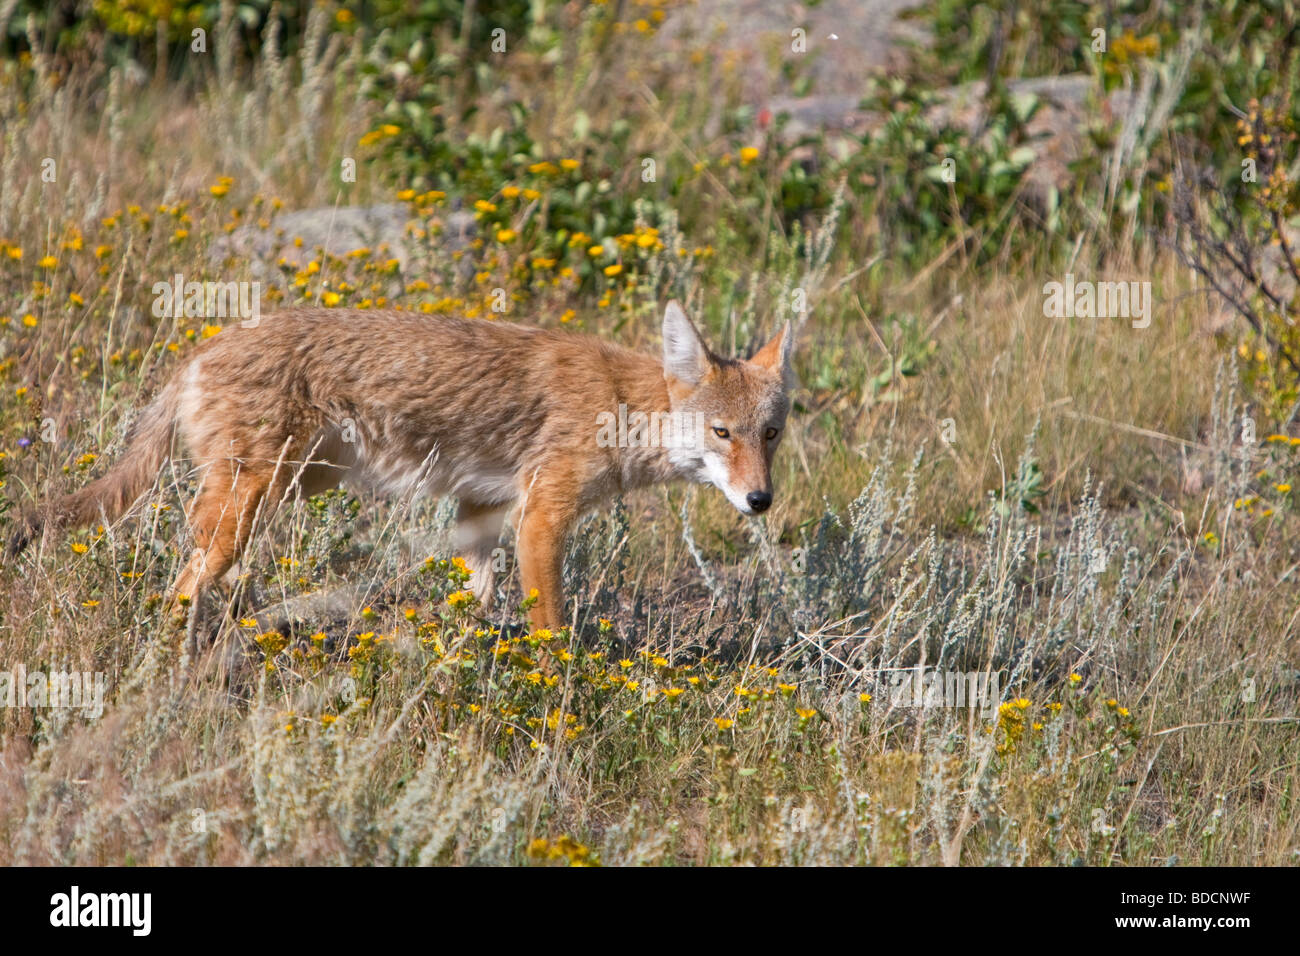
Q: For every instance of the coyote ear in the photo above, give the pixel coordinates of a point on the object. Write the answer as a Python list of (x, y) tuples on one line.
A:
[(686, 357), (775, 355)]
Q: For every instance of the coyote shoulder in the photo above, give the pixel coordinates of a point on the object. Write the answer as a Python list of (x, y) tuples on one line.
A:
[(498, 415)]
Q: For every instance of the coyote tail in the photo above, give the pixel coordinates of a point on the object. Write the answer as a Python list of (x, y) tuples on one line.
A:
[(148, 447)]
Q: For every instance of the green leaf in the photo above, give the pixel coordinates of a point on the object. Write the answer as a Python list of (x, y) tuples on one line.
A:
[(1023, 156)]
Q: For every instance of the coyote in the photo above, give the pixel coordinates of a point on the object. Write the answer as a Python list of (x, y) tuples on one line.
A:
[(497, 414)]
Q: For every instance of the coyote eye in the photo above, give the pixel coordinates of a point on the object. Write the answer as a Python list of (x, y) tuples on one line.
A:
[(771, 433), (721, 432)]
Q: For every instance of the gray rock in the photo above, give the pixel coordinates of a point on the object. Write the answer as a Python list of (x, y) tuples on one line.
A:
[(1058, 130), (316, 610), (388, 230), (819, 92), (845, 41)]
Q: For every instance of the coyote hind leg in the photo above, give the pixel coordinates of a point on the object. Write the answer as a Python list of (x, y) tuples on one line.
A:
[(222, 519)]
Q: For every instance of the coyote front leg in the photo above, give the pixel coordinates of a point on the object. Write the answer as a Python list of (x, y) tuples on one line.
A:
[(478, 532), (547, 516)]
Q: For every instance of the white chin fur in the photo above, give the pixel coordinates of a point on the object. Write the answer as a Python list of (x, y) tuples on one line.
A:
[(737, 499), (707, 471)]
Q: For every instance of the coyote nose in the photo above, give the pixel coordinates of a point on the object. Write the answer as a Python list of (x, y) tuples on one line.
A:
[(759, 500)]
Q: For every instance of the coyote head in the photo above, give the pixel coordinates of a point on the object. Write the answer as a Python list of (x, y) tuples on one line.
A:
[(736, 409)]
